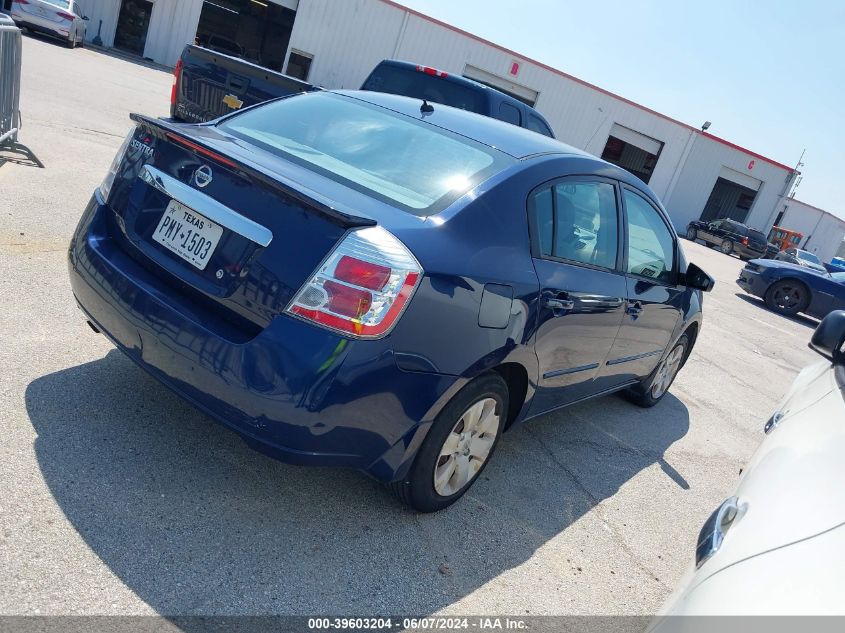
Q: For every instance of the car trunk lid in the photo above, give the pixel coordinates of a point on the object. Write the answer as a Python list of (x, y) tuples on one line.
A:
[(264, 233)]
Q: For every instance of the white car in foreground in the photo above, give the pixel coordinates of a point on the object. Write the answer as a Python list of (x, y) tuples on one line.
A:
[(777, 545)]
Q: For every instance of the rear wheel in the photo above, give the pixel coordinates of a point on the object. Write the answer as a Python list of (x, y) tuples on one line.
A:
[(70, 43), (727, 247), (787, 297), (651, 391), (458, 446)]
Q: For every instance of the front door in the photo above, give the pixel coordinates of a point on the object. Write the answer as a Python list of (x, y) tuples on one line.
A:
[(654, 304), (132, 25), (574, 226)]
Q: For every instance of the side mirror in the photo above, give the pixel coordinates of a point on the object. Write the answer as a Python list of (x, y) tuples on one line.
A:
[(698, 279), (830, 336)]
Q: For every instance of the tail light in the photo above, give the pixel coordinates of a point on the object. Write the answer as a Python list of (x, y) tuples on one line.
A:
[(428, 70), (108, 181), (177, 77), (66, 16), (22, 1), (745, 241), (362, 287)]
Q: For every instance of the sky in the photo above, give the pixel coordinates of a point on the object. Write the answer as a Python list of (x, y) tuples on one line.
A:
[(769, 75)]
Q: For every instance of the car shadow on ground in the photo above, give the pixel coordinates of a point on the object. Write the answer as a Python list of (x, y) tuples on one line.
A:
[(800, 319), (194, 522), (19, 154)]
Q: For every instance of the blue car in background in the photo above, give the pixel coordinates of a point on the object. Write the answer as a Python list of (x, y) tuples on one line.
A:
[(363, 280), (791, 288)]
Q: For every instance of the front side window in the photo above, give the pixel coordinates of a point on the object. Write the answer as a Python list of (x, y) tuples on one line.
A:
[(577, 221), (410, 164), (651, 247)]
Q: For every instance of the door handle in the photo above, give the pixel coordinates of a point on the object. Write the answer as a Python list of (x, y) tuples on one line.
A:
[(559, 303)]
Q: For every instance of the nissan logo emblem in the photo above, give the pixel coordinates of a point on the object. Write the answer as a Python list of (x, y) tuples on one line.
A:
[(203, 176)]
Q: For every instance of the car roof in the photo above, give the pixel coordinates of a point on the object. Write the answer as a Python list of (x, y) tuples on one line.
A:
[(510, 139)]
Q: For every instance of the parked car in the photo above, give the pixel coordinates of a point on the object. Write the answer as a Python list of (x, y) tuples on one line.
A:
[(437, 86), (63, 19), (789, 288), (730, 236), (802, 258), (208, 84), (775, 546), (344, 282)]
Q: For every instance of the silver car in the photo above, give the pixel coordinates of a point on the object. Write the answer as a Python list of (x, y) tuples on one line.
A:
[(60, 18)]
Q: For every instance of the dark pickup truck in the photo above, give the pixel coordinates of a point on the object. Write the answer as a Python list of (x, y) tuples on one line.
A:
[(208, 84)]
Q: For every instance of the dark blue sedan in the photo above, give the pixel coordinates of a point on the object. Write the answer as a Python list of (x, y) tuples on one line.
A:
[(789, 288), (368, 281)]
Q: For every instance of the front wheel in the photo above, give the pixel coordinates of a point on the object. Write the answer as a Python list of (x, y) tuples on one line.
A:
[(787, 297), (458, 446), (692, 234), (651, 391)]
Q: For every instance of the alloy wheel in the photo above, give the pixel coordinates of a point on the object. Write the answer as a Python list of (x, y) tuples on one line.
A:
[(467, 447), (666, 372), (787, 297)]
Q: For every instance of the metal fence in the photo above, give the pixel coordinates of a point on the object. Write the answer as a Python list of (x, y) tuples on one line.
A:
[(10, 81)]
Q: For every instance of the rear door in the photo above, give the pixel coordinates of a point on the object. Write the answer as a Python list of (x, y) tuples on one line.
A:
[(654, 304), (575, 245)]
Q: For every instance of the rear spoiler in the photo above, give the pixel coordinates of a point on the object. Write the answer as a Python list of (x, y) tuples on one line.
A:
[(181, 133)]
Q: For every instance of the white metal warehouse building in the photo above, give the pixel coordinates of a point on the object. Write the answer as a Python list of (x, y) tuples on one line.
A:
[(335, 44)]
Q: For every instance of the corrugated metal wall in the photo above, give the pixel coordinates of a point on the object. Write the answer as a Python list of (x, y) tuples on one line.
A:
[(823, 232), (349, 38)]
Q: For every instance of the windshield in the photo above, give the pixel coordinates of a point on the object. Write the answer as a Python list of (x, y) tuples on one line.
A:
[(411, 164), (840, 277), (808, 257)]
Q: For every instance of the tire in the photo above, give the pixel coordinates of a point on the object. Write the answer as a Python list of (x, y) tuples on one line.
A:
[(787, 296), (70, 43), (727, 247), (692, 234), (419, 489), (652, 390)]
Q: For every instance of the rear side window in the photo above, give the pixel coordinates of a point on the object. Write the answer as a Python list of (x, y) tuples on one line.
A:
[(577, 221), (651, 247), (509, 113), (413, 83), (408, 163), (536, 124)]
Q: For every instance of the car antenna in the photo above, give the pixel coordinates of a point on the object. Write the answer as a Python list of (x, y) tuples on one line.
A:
[(426, 107)]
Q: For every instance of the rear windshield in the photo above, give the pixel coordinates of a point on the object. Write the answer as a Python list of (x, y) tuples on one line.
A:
[(411, 164), (417, 84), (756, 235), (808, 257), (62, 4)]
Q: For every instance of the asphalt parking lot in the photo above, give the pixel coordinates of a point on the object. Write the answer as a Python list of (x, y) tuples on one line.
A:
[(116, 497)]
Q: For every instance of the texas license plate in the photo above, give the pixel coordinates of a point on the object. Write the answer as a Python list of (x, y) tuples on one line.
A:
[(190, 235)]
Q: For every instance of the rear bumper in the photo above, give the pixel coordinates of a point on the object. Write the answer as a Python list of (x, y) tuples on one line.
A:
[(46, 27), (753, 283), (296, 392), (748, 253)]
